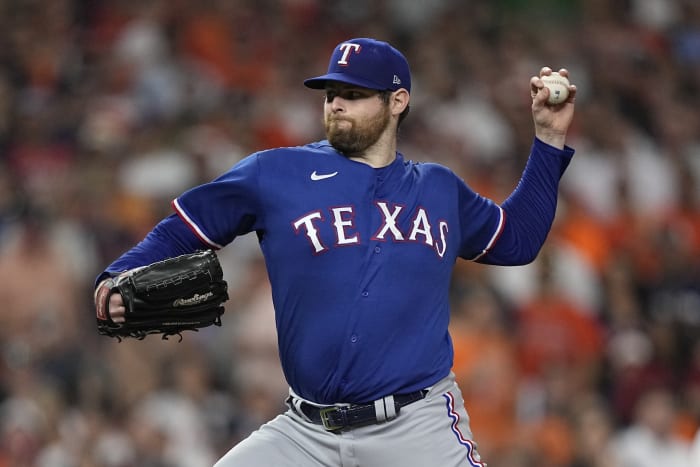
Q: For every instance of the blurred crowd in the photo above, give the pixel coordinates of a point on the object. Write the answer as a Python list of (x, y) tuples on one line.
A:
[(588, 357)]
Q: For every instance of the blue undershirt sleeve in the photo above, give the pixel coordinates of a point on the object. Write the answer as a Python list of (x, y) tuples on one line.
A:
[(530, 209), (171, 237)]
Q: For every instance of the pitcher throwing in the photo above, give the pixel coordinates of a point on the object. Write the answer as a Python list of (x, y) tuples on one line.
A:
[(359, 243)]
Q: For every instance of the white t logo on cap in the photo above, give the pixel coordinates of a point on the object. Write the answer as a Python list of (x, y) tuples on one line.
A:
[(346, 47)]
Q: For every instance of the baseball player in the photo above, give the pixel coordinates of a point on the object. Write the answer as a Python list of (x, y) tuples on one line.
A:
[(359, 243)]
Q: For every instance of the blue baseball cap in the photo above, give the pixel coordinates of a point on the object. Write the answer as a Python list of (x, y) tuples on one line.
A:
[(367, 63)]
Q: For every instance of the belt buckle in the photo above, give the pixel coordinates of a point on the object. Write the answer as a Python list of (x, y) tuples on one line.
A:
[(326, 418)]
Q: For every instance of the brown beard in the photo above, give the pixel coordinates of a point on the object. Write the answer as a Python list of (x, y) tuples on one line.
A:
[(361, 134)]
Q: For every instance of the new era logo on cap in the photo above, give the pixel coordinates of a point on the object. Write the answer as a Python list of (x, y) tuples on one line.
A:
[(368, 63)]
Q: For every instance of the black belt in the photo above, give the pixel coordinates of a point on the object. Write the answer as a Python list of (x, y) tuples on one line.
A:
[(340, 417)]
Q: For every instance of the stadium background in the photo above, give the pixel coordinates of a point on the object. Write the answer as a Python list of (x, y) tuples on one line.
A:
[(108, 109)]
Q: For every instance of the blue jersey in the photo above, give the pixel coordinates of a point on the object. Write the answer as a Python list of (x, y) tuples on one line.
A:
[(360, 258)]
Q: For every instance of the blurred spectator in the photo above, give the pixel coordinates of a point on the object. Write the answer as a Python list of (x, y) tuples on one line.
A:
[(695, 450), (554, 332), (485, 366), (40, 325), (650, 440), (594, 429)]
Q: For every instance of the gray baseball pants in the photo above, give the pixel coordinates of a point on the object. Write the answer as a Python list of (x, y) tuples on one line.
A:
[(430, 432)]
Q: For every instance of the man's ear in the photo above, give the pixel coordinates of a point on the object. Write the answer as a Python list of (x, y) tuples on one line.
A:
[(399, 101)]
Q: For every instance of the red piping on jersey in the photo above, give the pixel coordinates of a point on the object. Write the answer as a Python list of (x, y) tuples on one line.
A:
[(195, 229), (495, 237)]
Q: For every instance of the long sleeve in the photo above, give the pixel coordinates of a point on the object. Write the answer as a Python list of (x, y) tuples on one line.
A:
[(529, 211), (171, 237)]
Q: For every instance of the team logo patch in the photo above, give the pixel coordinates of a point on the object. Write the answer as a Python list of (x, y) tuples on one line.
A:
[(346, 48)]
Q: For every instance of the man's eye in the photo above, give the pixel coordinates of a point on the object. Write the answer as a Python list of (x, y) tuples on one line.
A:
[(347, 94)]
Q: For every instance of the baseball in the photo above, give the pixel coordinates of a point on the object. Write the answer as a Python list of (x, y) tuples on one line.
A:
[(558, 87)]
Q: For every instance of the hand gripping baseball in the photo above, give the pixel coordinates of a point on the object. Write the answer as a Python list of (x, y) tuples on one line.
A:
[(551, 121)]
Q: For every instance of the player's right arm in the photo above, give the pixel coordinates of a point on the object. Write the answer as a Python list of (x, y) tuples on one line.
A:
[(171, 237), (207, 217)]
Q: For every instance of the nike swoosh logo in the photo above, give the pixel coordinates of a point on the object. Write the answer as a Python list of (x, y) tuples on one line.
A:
[(316, 176)]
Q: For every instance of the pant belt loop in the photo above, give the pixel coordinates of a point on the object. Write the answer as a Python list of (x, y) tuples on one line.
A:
[(295, 403), (385, 409)]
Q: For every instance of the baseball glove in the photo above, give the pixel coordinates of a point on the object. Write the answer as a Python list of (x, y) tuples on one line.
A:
[(167, 297)]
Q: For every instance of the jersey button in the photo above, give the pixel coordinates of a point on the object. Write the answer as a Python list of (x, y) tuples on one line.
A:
[(377, 249), (365, 294), (354, 338)]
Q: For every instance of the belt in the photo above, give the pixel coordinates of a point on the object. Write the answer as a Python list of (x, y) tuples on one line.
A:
[(340, 417)]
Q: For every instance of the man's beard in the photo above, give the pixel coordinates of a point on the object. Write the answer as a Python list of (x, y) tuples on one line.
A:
[(361, 134)]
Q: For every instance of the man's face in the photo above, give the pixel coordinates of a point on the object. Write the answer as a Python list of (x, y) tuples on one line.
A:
[(354, 117)]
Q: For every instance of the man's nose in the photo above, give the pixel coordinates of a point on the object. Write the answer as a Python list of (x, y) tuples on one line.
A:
[(336, 103)]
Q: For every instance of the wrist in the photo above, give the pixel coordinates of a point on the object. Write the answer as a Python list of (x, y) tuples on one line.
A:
[(558, 140)]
